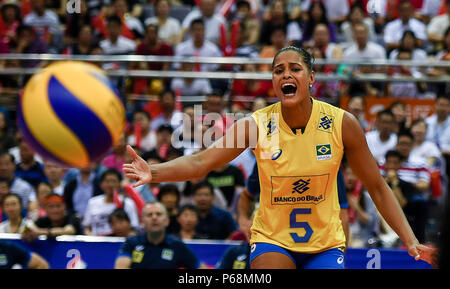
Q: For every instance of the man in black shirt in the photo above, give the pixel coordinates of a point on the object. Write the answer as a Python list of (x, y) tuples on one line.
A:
[(57, 222)]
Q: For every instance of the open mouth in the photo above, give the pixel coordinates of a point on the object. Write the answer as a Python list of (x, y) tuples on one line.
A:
[(288, 89)]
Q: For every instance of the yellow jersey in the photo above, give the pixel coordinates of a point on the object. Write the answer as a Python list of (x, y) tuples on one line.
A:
[(299, 206)]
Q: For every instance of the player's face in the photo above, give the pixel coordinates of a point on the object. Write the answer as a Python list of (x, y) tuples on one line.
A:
[(291, 78)]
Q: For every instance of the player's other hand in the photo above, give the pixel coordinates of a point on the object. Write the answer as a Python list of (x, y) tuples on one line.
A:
[(422, 252), (138, 170)]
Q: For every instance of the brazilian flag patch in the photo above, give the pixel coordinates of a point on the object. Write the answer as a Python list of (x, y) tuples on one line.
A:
[(323, 152)]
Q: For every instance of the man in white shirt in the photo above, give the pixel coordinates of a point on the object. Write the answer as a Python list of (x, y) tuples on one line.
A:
[(46, 23), (363, 49), (394, 30), (115, 43), (212, 20), (198, 46), (383, 138), (438, 124)]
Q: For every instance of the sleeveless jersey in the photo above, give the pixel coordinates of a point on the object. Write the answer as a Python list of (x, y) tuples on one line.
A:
[(299, 206)]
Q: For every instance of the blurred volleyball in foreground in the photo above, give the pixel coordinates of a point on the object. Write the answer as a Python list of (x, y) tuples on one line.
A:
[(71, 113)]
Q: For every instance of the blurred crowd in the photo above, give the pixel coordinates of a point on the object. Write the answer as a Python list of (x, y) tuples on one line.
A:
[(39, 197)]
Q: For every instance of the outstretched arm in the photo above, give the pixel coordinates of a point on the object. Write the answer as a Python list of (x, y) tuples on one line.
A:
[(193, 166), (366, 169)]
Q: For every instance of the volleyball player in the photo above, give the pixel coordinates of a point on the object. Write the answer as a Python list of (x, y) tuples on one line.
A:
[(297, 223)]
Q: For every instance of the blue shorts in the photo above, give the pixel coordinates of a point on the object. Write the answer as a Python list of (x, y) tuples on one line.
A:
[(329, 259)]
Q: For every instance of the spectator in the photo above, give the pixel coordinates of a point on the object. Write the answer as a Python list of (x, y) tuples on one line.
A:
[(4, 190), (130, 27), (405, 89), (17, 185), (154, 248), (321, 40), (115, 43), (383, 137), (95, 221), (424, 150), (328, 91), (9, 22), (244, 48), (188, 137), (413, 171), (54, 174), (80, 190), (152, 45), (275, 16), (364, 50), (438, 126), (84, 44), (317, 14), (134, 24), (163, 141), (76, 22), (187, 219), (249, 89), (357, 16), (438, 25), (118, 156), (395, 29), (43, 190), (170, 115), (214, 223), (27, 42), (198, 45), (401, 122), (96, 6), (415, 209), (56, 222), (13, 254), (142, 137), (212, 20), (277, 41), (169, 28), (214, 106), (230, 180), (29, 169), (250, 25), (169, 196), (364, 219), (120, 224), (442, 55), (184, 86), (6, 135), (357, 106), (12, 207), (410, 42), (46, 23)]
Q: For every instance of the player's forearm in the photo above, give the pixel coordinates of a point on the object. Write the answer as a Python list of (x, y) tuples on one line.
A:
[(391, 211), (180, 169)]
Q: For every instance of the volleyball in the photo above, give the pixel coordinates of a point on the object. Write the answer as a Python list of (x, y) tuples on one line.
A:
[(71, 113)]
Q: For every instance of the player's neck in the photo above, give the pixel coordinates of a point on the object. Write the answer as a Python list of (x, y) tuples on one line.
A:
[(298, 116)]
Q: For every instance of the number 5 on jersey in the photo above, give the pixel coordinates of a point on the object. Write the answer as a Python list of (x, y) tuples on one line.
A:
[(294, 224)]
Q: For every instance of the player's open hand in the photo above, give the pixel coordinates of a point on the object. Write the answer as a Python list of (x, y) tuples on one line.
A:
[(422, 252), (138, 170)]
